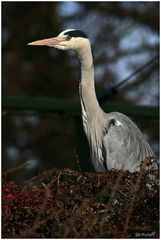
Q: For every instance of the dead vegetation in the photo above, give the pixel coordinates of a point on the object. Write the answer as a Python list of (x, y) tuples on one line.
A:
[(70, 204)]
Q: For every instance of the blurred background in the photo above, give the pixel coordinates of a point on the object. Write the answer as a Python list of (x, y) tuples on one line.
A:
[(124, 35)]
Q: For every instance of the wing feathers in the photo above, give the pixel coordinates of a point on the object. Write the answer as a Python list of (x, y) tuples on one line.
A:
[(123, 143)]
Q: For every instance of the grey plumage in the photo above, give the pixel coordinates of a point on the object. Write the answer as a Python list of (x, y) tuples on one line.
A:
[(115, 141)]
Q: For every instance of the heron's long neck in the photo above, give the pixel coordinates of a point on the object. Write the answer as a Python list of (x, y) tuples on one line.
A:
[(88, 98), (92, 115)]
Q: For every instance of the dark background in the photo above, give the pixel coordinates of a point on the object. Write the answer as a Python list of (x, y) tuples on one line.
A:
[(124, 35)]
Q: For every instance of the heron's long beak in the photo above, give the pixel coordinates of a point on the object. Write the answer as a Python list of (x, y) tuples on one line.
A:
[(48, 42)]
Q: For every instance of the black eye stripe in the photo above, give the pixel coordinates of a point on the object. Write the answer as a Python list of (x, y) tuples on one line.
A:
[(76, 33)]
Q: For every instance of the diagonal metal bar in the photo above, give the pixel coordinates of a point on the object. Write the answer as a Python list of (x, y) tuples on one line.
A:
[(110, 91)]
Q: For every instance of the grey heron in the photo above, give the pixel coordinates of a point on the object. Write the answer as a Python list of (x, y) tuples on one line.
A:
[(114, 139)]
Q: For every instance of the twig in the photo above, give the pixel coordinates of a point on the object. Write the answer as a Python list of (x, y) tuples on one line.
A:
[(30, 231), (16, 168), (142, 168), (77, 160), (70, 224), (121, 173)]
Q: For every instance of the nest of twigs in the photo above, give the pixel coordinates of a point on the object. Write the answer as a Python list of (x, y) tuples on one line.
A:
[(70, 204)]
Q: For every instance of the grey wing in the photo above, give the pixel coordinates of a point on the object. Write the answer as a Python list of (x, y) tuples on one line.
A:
[(123, 144)]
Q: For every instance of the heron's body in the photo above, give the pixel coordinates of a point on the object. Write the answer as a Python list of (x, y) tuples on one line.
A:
[(115, 141)]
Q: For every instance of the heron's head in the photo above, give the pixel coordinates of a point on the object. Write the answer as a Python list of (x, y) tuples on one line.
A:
[(69, 39)]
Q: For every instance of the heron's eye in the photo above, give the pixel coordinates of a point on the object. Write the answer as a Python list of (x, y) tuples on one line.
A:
[(68, 38)]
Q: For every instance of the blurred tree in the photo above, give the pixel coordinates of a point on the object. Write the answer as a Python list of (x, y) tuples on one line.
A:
[(124, 35)]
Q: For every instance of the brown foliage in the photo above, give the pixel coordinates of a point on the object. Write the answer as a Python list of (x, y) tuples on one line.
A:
[(70, 204)]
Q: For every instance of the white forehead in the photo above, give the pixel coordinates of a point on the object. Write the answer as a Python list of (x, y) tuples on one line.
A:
[(67, 30)]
